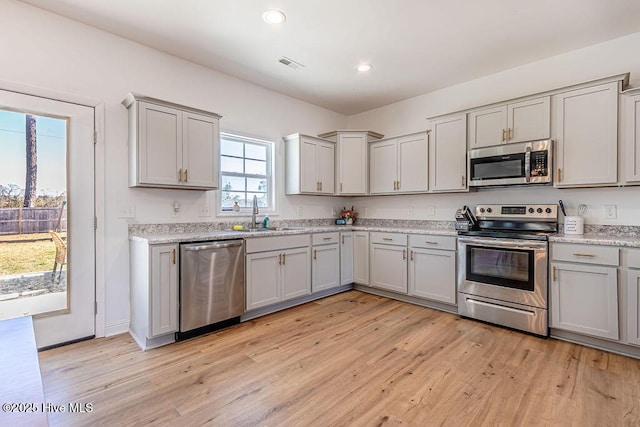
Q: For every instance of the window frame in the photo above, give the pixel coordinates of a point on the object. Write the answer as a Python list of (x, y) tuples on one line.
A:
[(269, 176)]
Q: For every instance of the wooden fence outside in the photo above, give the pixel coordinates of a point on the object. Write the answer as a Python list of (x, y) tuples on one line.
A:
[(31, 220)]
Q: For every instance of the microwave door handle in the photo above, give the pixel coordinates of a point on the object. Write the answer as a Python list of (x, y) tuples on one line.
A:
[(527, 165)]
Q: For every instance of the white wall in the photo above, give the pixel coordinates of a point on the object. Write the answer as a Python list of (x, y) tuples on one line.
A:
[(611, 58), (46, 51)]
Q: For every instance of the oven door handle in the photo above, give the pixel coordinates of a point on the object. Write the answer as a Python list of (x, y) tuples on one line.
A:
[(512, 244)]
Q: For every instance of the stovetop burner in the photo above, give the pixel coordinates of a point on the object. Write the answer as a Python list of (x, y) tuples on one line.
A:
[(530, 222)]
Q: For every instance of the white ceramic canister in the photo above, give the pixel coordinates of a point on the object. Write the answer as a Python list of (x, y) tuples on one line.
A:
[(573, 225)]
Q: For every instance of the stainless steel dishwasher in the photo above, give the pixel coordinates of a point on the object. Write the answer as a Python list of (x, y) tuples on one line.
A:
[(211, 286)]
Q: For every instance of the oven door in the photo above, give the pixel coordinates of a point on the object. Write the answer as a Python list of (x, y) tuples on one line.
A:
[(501, 169), (509, 270)]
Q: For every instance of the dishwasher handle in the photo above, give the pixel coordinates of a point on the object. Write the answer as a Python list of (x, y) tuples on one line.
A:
[(209, 246)]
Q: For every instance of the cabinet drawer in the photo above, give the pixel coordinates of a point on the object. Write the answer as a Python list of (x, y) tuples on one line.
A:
[(588, 254), (263, 244), (447, 243), (325, 238), (633, 258), (389, 238)]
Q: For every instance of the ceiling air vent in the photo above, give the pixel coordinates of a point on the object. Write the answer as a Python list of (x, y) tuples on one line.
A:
[(290, 63)]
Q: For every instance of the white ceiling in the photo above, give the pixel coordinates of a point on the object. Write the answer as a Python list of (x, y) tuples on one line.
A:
[(415, 46)]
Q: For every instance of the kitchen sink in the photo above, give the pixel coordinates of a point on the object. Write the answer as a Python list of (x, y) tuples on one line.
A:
[(259, 230)]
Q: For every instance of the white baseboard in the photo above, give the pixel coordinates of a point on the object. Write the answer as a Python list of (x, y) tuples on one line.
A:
[(116, 328)]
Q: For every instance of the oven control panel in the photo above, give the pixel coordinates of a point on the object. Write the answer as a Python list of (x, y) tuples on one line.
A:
[(523, 212)]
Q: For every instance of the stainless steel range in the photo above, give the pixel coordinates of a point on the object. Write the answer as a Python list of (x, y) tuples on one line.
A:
[(502, 273)]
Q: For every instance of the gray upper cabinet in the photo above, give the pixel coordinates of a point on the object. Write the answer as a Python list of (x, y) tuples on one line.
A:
[(399, 165), (526, 120), (586, 135), (448, 154), (352, 160), (632, 144), (172, 146), (309, 165)]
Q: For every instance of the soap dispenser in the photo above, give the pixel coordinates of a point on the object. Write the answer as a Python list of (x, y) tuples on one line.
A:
[(265, 222)]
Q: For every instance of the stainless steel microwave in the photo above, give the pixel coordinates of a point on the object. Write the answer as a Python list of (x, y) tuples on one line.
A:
[(511, 164)]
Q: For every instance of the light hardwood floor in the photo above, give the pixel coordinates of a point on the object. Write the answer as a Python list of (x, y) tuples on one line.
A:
[(350, 359)]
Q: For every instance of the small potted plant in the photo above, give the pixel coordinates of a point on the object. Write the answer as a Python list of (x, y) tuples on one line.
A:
[(349, 215)]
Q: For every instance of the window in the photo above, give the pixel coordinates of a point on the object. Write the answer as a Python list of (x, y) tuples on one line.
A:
[(246, 170)]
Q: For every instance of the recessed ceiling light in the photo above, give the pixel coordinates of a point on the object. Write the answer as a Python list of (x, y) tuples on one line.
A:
[(274, 17), (363, 68)]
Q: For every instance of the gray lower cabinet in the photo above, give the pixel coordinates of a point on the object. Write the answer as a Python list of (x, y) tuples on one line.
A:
[(432, 268), (154, 293), (346, 257), (633, 307), (584, 289), (277, 276), (361, 257), (277, 269), (388, 258), (325, 261)]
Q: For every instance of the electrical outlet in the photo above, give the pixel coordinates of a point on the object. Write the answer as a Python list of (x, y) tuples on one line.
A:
[(410, 211), (299, 210), (333, 211), (610, 211), (431, 211), (127, 212), (366, 211), (204, 211)]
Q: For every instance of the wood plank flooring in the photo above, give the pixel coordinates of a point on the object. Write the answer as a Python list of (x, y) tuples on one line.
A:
[(350, 359)]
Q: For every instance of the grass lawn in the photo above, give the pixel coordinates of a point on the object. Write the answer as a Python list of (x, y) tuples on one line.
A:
[(26, 257)]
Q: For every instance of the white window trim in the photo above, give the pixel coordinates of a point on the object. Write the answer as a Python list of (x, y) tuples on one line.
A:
[(247, 212)]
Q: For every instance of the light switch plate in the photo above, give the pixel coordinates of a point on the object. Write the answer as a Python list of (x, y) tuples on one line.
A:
[(204, 212), (610, 211), (127, 212)]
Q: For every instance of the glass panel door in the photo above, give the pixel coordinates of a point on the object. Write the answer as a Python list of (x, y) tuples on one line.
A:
[(510, 268), (47, 261)]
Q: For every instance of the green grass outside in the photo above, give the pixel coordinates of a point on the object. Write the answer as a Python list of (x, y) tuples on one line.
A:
[(27, 257)]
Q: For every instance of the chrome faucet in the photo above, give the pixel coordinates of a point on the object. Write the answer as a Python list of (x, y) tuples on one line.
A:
[(255, 212)]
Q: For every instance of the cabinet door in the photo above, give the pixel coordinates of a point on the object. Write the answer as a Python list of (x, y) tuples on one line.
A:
[(164, 290), (587, 136), (200, 150), (361, 257), (488, 127), (383, 174), (633, 307), (389, 267), (584, 299), (159, 144), (346, 258), (326, 167), (296, 273), (309, 166), (263, 273), (413, 163), (529, 120), (633, 139), (448, 154), (352, 164), (325, 267), (432, 274)]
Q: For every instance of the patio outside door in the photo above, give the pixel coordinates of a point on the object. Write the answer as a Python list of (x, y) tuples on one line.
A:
[(66, 311)]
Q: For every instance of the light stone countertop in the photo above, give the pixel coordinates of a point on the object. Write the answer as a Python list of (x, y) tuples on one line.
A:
[(597, 239), (200, 236)]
